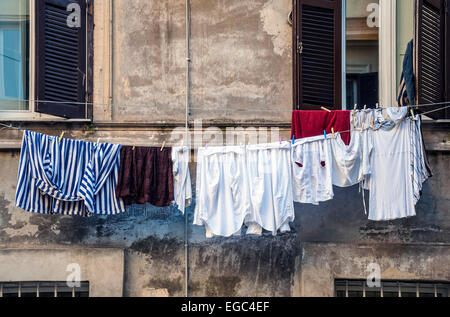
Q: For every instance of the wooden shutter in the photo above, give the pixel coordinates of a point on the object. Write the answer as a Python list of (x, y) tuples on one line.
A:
[(431, 55), (317, 54), (60, 59)]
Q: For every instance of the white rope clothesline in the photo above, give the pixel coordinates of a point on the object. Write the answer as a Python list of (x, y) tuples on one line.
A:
[(203, 109)]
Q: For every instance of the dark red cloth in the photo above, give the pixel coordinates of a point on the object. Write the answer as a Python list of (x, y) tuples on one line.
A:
[(306, 124), (145, 176)]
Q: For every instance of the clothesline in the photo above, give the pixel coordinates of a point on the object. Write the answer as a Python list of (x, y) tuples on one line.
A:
[(243, 198), (368, 128), (253, 110), (10, 126)]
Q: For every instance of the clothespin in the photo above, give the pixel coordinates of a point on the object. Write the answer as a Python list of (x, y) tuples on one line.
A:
[(325, 134), (98, 140), (293, 139), (372, 125), (61, 136), (362, 127), (323, 108), (412, 113), (354, 116), (162, 147), (280, 140), (206, 146), (377, 106), (365, 107), (397, 104), (134, 145), (332, 132)]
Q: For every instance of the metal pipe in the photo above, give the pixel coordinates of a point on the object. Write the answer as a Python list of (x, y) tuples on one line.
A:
[(187, 138), (111, 55)]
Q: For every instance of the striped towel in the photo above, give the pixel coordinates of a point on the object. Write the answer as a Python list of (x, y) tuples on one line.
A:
[(71, 177)]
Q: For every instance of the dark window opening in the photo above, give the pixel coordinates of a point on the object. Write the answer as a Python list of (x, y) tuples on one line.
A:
[(389, 288), (43, 289)]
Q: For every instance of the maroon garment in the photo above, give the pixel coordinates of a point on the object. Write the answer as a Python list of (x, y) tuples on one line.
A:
[(306, 124), (145, 176)]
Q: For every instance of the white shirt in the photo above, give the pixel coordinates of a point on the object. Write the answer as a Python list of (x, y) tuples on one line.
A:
[(390, 183), (222, 191), (351, 163), (270, 181), (181, 177), (311, 166)]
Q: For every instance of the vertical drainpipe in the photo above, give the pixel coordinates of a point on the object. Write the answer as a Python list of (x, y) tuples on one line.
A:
[(344, 55), (111, 56), (188, 92)]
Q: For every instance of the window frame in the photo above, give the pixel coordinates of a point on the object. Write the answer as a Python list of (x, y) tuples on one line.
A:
[(30, 114), (362, 286), (85, 287), (339, 94)]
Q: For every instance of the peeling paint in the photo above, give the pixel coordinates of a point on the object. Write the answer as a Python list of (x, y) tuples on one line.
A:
[(274, 18)]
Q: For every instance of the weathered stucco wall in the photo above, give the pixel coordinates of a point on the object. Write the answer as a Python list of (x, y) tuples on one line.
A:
[(149, 60), (241, 62), (101, 267), (152, 240)]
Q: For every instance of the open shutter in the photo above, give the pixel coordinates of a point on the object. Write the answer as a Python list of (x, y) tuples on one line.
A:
[(317, 54), (60, 59), (430, 55)]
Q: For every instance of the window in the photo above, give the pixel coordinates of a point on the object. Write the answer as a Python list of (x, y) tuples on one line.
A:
[(44, 57), (14, 54), (60, 59), (317, 54), (43, 289), (359, 288), (362, 57), (432, 54)]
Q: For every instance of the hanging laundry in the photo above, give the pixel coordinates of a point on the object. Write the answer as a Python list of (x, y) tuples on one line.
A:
[(181, 177), (312, 170), (312, 123), (390, 183), (70, 177), (270, 182), (146, 176), (222, 190), (419, 168), (351, 163), (407, 89)]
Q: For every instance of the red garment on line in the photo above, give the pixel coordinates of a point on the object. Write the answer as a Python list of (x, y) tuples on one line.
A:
[(306, 124)]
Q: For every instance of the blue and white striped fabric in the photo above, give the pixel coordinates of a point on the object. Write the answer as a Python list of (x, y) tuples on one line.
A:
[(71, 177)]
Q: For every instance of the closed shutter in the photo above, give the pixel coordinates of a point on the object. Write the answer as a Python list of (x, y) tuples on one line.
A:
[(430, 55), (60, 59), (317, 54)]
